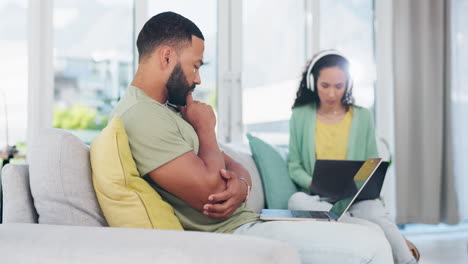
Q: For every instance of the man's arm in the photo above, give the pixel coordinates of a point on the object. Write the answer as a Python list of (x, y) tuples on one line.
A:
[(222, 205), (193, 177), (237, 168)]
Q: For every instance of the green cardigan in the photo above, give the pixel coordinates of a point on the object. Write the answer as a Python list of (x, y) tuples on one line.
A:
[(301, 159)]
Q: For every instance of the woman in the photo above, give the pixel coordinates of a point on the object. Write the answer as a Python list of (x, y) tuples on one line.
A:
[(325, 124)]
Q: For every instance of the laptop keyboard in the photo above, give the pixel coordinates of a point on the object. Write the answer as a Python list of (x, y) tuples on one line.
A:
[(310, 214)]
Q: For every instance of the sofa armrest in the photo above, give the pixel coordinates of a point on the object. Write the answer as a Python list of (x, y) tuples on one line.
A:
[(18, 206), (33, 243)]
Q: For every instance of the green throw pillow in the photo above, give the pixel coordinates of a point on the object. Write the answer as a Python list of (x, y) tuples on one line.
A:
[(273, 168)]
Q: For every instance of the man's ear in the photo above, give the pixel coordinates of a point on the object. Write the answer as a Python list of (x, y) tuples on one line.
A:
[(165, 56)]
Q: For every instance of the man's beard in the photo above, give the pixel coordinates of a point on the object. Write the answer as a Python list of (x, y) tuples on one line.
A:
[(178, 87)]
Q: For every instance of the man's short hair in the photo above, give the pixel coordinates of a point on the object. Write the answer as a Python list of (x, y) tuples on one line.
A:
[(166, 28)]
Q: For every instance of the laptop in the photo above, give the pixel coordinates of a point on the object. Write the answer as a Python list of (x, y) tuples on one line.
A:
[(364, 174), (374, 186), (333, 179)]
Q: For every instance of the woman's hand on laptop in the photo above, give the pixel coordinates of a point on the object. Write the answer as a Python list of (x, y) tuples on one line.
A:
[(222, 205)]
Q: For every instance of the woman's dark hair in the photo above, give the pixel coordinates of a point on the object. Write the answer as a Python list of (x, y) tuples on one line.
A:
[(167, 28), (305, 96)]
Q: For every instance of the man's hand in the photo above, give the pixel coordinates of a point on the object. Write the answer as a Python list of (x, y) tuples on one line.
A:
[(223, 205), (201, 116)]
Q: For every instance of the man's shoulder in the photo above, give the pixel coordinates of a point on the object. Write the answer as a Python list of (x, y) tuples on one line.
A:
[(141, 110), (134, 101), (145, 118)]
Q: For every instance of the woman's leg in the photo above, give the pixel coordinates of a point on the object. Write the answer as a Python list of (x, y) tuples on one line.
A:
[(374, 211)]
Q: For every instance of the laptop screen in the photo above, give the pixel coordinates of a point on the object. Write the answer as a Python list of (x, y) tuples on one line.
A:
[(360, 180)]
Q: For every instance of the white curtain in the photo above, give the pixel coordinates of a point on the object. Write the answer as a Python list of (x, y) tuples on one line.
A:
[(425, 178), (459, 100)]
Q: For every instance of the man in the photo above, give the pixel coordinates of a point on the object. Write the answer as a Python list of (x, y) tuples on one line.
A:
[(173, 142)]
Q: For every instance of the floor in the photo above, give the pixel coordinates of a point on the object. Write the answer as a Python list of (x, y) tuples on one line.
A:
[(440, 244)]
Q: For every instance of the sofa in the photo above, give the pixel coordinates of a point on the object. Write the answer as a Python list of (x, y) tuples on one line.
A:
[(51, 215)]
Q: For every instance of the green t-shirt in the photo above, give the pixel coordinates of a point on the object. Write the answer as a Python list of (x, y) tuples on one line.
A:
[(157, 135)]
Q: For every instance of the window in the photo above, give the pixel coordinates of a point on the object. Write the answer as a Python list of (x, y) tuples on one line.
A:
[(13, 71), (348, 26), (204, 15), (273, 57), (93, 62), (94, 50), (459, 100), (275, 45)]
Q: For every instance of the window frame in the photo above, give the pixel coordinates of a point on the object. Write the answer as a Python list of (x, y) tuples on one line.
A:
[(40, 67)]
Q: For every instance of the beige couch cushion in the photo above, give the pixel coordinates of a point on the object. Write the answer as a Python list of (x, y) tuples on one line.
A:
[(17, 200), (51, 244), (60, 179)]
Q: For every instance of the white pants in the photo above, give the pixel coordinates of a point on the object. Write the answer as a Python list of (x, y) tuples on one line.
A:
[(371, 210), (326, 242)]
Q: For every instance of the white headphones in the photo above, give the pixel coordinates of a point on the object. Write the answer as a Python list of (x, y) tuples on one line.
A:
[(310, 77)]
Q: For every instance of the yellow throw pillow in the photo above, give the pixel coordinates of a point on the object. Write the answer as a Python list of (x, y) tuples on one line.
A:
[(126, 199)]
